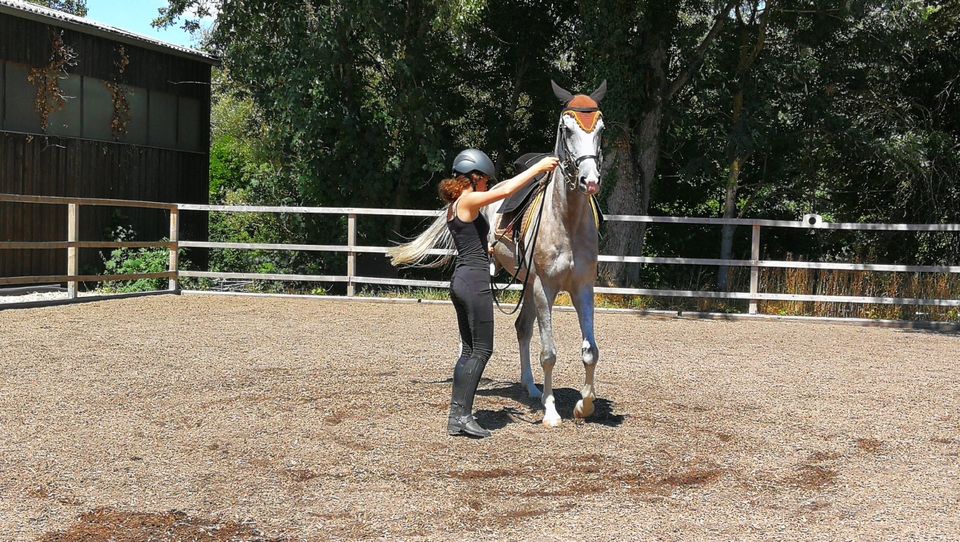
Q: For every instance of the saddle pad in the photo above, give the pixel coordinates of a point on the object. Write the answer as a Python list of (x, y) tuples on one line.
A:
[(519, 199)]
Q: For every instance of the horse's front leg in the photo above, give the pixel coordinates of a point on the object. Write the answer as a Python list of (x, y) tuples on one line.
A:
[(544, 297), (590, 354)]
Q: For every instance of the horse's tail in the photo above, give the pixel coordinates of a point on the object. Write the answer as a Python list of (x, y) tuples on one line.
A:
[(432, 248)]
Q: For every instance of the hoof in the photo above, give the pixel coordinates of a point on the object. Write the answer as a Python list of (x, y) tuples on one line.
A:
[(552, 421), (584, 408), (532, 390)]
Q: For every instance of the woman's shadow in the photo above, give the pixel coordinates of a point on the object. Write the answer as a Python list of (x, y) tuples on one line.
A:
[(566, 399)]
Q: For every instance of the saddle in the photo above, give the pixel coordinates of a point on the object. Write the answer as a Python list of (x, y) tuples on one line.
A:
[(513, 208), (520, 204)]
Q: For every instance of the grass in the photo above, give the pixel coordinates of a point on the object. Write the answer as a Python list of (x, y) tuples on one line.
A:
[(775, 280)]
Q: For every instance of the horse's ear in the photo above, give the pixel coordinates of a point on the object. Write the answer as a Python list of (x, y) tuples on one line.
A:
[(561, 94), (601, 91)]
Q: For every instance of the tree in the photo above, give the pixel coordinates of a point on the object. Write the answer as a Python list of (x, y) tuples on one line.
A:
[(73, 7), (751, 35), (651, 51)]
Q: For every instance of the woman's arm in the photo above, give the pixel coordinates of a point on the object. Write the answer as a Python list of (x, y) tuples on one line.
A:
[(469, 206)]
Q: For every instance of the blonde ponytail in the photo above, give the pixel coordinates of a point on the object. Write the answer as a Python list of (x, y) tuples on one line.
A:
[(432, 248)]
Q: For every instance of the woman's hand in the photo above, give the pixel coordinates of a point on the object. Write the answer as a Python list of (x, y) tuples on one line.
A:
[(546, 164), (471, 203)]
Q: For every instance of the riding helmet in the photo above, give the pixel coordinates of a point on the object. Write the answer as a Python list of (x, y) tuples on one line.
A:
[(472, 160)]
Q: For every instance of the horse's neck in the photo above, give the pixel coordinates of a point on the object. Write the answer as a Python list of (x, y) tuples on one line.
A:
[(571, 207)]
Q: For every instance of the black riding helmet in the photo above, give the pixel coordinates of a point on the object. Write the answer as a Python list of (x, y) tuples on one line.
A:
[(472, 160)]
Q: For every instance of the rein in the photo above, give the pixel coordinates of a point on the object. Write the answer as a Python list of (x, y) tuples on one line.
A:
[(532, 250)]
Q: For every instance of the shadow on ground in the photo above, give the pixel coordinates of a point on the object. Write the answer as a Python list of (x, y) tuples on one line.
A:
[(566, 400)]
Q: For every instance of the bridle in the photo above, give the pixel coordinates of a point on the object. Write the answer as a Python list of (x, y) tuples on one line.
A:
[(569, 166)]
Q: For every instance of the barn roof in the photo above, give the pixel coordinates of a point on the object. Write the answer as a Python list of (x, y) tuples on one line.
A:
[(48, 16)]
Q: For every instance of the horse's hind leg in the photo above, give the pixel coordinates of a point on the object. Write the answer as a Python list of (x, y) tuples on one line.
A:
[(524, 325), (590, 354)]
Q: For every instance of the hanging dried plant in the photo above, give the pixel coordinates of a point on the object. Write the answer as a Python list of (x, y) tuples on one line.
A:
[(46, 79), (120, 122)]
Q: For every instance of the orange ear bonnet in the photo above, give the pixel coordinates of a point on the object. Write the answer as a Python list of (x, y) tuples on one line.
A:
[(585, 110), (586, 120)]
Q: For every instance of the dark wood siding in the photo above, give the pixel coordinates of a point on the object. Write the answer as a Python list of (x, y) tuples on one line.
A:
[(70, 167), (62, 166)]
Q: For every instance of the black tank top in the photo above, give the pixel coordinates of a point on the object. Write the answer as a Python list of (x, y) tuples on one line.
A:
[(470, 239)]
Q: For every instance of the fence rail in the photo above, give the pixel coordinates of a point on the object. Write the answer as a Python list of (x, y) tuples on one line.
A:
[(73, 244), (352, 249)]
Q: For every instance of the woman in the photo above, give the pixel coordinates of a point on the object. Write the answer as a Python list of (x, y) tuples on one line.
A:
[(464, 227)]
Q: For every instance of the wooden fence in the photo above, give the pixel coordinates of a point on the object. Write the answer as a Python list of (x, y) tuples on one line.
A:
[(72, 244)]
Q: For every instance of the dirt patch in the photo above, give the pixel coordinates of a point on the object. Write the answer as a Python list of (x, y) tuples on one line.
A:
[(824, 456), (45, 492), (110, 525), (692, 477), (813, 477), (816, 506), (869, 445), (483, 474), (300, 475), (572, 490)]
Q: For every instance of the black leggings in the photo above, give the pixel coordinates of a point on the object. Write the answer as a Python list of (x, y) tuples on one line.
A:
[(471, 296)]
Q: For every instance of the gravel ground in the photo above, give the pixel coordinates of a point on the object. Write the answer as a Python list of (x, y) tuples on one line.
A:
[(225, 418)]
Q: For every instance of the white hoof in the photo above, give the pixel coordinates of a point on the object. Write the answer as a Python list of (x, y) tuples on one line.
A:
[(584, 408), (552, 421)]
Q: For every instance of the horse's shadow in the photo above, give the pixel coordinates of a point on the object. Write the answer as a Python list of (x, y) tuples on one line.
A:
[(566, 400)]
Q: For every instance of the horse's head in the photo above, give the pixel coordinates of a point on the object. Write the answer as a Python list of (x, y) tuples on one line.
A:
[(578, 138)]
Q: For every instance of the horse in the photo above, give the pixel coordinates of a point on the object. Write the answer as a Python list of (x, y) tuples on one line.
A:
[(564, 252)]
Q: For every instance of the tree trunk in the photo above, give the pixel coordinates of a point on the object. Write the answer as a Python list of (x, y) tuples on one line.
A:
[(620, 237), (730, 194), (649, 145), (627, 238), (748, 56), (513, 103)]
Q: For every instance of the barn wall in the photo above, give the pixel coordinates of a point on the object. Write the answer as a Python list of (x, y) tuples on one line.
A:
[(70, 167), (83, 160), (28, 42)]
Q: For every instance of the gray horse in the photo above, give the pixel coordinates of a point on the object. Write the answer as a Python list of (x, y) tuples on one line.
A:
[(565, 251)]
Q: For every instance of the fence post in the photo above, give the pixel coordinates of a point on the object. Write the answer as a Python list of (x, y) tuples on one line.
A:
[(174, 285), (73, 235), (754, 268), (351, 255)]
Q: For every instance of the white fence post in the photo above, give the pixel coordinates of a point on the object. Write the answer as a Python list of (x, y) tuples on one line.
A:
[(174, 285), (351, 255), (73, 235), (754, 268)]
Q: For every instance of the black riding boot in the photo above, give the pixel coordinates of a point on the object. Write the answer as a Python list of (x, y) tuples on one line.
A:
[(466, 378)]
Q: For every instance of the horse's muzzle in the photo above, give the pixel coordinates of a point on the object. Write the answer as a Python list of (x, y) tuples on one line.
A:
[(593, 188)]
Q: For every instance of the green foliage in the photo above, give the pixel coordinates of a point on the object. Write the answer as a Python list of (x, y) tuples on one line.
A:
[(126, 261), (850, 110)]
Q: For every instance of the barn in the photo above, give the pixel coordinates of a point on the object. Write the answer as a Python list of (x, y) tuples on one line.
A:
[(87, 110)]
